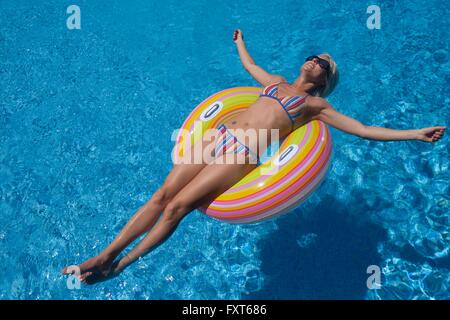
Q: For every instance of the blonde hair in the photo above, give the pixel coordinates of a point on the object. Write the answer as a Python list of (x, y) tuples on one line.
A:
[(331, 80)]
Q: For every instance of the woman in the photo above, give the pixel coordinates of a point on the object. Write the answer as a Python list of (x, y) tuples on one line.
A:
[(281, 106)]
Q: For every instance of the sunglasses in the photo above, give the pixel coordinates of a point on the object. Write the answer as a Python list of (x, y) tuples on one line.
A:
[(324, 64)]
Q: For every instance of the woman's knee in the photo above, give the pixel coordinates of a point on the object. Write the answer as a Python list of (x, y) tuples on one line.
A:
[(161, 197), (175, 210)]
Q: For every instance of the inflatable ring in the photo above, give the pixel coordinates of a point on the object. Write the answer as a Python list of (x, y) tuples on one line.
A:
[(280, 183)]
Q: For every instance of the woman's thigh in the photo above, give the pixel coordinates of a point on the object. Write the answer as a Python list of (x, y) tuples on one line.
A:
[(181, 174), (210, 182)]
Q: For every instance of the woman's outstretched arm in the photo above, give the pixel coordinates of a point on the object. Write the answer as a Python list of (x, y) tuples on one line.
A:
[(322, 110), (259, 74), (431, 134)]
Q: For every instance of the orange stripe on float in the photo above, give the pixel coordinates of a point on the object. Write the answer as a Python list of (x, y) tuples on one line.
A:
[(284, 187)]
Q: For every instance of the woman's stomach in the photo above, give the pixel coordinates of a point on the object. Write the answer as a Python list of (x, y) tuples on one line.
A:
[(258, 128)]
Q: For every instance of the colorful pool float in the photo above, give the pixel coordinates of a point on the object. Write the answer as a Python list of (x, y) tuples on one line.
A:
[(279, 184)]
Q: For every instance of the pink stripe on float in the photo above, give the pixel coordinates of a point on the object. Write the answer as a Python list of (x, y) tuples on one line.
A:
[(263, 177), (315, 181), (283, 208), (295, 201), (292, 175), (275, 212), (252, 199), (248, 210), (286, 206)]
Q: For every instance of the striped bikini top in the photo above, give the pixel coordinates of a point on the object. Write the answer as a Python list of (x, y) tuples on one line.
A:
[(291, 104)]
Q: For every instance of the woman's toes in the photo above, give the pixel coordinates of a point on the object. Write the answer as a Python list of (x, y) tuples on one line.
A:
[(84, 276), (90, 270), (67, 270)]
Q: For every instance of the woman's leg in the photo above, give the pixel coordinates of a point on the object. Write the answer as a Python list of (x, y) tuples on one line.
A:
[(144, 219), (213, 180)]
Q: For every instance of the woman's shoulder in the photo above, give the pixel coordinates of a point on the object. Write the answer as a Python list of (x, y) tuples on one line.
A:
[(315, 105), (274, 79), (314, 101)]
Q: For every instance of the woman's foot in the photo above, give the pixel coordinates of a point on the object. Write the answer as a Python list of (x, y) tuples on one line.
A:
[(91, 277), (97, 265)]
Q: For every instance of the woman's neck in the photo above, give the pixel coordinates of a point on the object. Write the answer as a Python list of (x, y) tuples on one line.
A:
[(303, 86)]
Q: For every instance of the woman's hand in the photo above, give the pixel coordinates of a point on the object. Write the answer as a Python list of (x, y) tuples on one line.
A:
[(238, 36), (431, 134)]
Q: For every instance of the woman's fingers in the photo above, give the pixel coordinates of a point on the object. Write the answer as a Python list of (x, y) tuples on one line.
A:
[(85, 276), (433, 134), (437, 135), (237, 34)]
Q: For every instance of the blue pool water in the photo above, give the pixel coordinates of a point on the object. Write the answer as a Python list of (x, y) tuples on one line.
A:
[(86, 118)]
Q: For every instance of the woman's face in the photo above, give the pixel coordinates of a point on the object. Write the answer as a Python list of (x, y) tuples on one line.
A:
[(312, 70)]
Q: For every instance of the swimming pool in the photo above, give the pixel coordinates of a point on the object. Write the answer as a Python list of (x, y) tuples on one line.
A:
[(86, 118)]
